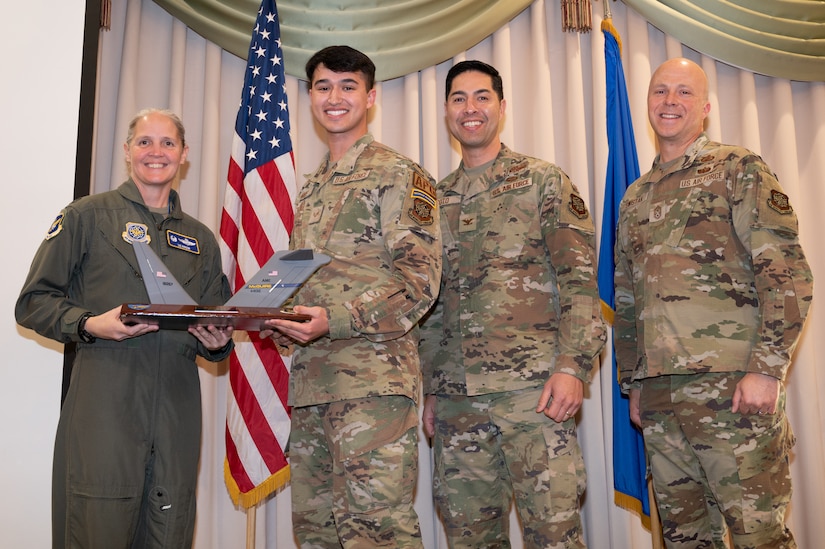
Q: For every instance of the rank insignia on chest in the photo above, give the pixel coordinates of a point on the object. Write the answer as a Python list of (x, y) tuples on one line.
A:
[(136, 232), (183, 242), (467, 223), (780, 202), (577, 206), (316, 214)]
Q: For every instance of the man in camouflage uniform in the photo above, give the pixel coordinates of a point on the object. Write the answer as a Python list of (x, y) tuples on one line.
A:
[(512, 340), (712, 290), (355, 377)]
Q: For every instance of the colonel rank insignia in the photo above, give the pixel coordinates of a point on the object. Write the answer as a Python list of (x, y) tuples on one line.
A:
[(423, 200)]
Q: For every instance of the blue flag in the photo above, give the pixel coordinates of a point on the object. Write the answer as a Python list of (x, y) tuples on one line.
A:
[(629, 479)]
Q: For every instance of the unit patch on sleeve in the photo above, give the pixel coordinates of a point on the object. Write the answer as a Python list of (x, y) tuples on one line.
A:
[(780, 202), (423, 200), (56, 226), (577, 206)]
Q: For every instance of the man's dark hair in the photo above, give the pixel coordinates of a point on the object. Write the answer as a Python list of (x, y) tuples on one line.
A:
[(474, 65), (342, 59)]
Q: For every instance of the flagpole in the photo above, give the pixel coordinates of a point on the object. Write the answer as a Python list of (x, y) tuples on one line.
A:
[(261, 180), (250, 526), (656, 534)]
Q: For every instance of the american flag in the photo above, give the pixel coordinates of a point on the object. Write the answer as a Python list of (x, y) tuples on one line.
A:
[(256, 221)]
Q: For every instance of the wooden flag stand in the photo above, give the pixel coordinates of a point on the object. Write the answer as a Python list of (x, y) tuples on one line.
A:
[(250, 526)]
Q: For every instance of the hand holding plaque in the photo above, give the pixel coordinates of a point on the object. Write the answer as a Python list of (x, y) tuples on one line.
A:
[(259, 300)]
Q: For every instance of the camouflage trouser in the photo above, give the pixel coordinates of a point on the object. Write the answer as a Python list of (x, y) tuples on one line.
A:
[(697, 448), (354, 470), (491, 447)]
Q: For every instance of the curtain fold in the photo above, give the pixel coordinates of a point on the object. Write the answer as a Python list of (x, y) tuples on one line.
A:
[(781, 38), (554, 84), (400, 36)]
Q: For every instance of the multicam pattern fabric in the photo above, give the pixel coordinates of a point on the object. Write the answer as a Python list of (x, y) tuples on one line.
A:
[(518, 303), (711, 284), (708, 460), (519, 300), (474, 487), (356, 490), (710, 275), (374, 213)]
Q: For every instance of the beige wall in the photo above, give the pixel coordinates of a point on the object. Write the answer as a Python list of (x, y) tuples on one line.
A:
[(41, 42)]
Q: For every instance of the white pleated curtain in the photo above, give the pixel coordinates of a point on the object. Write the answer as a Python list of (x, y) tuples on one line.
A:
[(554, 87)]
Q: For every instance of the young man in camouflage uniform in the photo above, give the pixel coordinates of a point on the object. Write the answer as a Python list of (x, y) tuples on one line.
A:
[(355, 375), (712, 290), (512, 340)]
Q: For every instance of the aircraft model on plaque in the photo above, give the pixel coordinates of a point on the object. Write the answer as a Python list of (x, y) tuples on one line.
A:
[(260, 298)]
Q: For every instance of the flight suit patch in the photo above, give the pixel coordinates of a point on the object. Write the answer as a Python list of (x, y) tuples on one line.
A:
[(136, 232), (56, 226), (183, 242)]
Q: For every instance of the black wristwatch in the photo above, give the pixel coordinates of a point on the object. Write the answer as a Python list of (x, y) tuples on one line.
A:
[(84, 336)]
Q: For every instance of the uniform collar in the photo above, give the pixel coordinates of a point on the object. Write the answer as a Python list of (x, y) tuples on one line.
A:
[(660, 171), (506, 165), (346, 164), (128, 189)]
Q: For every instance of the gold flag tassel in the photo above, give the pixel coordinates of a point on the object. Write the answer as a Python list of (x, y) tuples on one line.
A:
[(576, 16), (106, 14)]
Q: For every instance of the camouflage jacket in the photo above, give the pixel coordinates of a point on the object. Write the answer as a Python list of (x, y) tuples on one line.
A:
[(518, 298), (710, 275), (375, 214)]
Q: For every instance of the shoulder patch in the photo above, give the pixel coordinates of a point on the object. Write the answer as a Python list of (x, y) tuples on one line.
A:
[(779, 201), (577, 206), (423, 189), (422, 200), (56, 226)]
